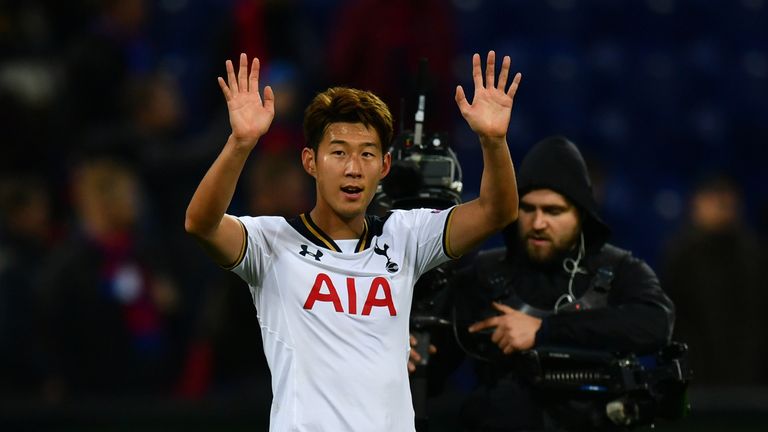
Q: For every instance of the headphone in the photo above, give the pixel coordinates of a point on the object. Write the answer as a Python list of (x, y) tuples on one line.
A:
[(571, 266)]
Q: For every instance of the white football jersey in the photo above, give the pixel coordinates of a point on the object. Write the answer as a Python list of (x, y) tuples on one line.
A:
[(335, 325)]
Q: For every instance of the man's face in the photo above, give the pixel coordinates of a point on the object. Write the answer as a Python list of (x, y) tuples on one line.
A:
[(347, 166), (548, 224)]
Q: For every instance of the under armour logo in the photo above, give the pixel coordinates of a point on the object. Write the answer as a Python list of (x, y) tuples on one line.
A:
[(305, 252), (391, 267)]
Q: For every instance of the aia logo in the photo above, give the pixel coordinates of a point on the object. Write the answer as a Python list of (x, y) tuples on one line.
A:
[(305, 251), (323, 290), (391, 266)]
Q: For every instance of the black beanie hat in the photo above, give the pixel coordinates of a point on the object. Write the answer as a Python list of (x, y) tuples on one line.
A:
[(556, 163)]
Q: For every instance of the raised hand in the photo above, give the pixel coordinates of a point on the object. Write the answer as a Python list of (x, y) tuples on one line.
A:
[(491, 108), (249, 115)]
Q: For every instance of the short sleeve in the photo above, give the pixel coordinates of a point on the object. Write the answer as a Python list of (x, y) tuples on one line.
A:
[(430, 228), (257, 251)]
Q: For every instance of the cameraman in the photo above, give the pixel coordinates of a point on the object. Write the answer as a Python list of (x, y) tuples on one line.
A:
[(541, 291)]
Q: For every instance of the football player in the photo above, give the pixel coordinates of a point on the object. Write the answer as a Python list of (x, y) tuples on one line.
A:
[(333, 286)]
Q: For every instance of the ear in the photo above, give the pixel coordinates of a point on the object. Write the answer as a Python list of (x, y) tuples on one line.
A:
[(308, 161), (386, 165)]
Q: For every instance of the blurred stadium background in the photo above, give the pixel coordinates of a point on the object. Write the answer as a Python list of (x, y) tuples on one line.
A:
[(112, 319)]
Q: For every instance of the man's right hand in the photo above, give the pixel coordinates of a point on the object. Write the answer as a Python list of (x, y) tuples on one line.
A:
[(249, 115), (513, 330), (222, 235)]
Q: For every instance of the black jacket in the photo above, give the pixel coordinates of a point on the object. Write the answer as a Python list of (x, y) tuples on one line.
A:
[(637, 318)]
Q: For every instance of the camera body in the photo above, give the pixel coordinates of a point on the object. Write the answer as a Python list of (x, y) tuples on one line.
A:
[(425, 173), (607, 390)]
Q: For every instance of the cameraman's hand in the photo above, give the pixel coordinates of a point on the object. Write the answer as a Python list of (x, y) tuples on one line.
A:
[(415, 357), (249, 116), (515, 331), (489, 113)]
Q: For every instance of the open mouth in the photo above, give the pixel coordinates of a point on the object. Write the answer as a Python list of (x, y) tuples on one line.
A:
[(352, 191)]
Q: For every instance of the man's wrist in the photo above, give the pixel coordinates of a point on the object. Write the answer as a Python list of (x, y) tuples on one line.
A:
[(241, 145), (493, 141)]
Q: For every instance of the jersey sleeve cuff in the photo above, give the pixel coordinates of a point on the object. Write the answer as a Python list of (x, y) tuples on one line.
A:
[(446, 236), (243, 249)]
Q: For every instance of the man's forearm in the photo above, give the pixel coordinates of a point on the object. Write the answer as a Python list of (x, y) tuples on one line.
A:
[(214, 194), (498, 187)]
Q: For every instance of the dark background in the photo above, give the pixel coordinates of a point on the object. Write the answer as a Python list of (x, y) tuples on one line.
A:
[(660, 95)]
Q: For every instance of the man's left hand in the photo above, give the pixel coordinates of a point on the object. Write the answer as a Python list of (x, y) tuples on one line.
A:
[(515, 331), (489, 113)]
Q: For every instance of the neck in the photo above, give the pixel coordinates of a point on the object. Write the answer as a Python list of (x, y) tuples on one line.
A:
[(336, 226)]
